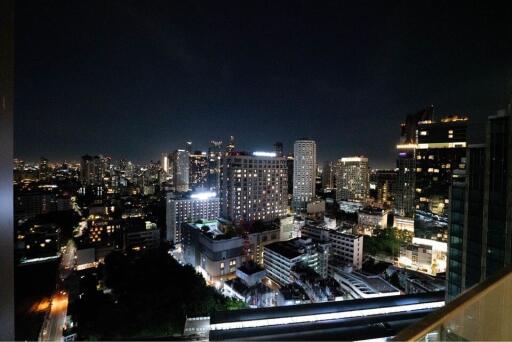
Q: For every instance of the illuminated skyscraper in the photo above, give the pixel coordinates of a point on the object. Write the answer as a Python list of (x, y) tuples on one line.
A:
[(406, 161), (198, 171), (328, 175), (253, 187), (406, 180), (181, 169), (214, 158), (304, 172), (231, 145), (164, 162), (278, 149), (441, 149), (352, 179)]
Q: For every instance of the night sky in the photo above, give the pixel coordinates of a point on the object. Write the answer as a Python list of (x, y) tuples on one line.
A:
[(131, 80)]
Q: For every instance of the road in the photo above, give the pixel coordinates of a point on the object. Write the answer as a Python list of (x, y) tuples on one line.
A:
[(54, 322)]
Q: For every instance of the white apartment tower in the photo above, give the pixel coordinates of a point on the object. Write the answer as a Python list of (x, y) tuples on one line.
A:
[(304, 172), (199, 206)]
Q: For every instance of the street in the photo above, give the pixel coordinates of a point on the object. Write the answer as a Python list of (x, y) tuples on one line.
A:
[(54, 322)]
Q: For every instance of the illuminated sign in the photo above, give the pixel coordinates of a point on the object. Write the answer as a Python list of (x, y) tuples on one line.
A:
[(353, 159), (203, 195), (264, 154)]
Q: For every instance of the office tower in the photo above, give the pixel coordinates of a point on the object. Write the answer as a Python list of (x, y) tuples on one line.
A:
[(304, 172), (441, 149), (278, 149), (406, 161), (181, 167), (92, 170), (480, 216), (164, 162), (44, 169), (231, 145), (328, 175), (198, 171), (352, 179), (195, 207), (289, 163), (214, 159), (189, 147), (405, 188), (253, 187), (409, 127), (383, 183)]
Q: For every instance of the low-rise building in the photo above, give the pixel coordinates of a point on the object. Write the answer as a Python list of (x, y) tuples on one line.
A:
[(213, 248), (358, 285), (292, 294), (403, 223), (140, 235), (424, 255), (371, 218), (281, 257), (343, 248)]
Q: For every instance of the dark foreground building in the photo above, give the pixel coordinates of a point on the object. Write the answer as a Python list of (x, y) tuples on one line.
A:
[(480, 223), (358, 319)]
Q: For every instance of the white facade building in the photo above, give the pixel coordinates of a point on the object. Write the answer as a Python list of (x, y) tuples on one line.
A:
[(304, 172), (344, 248), (424, 255), (188, 210), (281, 257)]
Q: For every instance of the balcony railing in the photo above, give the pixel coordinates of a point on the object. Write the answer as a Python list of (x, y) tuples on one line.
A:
[(483, 313)]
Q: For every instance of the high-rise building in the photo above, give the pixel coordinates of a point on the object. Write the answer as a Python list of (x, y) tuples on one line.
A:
[(44, 169), (383, 183), (189, 209), (215, 154), (406, 161), (289, 164), (253, 187), (164, 162), (189, 147), (328, 175), (304, 172), (441, 149), (406, 180), (480, 215), (198, 171), (231, 145), (92, 170), (181, 167), (352, 179), (278, 149)]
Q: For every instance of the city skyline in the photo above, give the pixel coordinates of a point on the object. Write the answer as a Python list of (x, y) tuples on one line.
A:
[(148, 81)]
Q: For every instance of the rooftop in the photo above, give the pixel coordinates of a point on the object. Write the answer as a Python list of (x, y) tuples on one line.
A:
[(289, 249)]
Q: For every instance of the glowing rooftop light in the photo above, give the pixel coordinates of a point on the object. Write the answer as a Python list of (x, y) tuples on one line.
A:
[(264, 154), (203, 195)]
